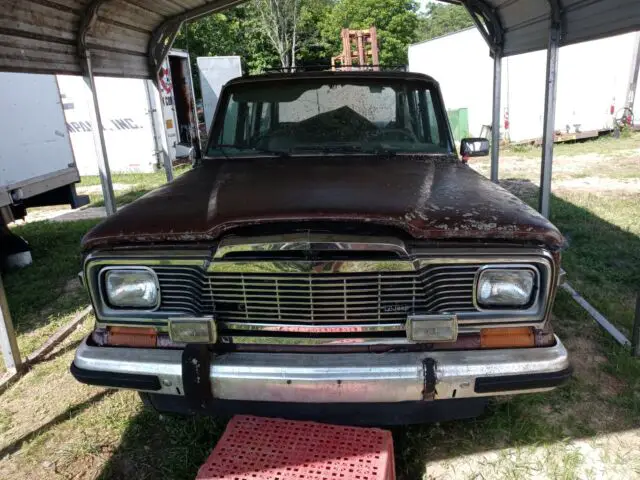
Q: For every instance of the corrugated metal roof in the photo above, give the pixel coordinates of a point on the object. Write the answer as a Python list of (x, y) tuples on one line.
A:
[(128, 37), (42, 35), (525, 23)]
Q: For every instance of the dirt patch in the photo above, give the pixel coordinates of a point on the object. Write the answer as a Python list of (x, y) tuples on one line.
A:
[(599, 184), (520, 188), (526, 187), (587, 361), (588, 458), (72, 286)]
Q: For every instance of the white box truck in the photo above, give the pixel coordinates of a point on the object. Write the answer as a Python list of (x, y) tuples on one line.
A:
[(37, 164)]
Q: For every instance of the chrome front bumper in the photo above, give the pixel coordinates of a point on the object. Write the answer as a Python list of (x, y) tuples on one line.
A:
[(333, 378)]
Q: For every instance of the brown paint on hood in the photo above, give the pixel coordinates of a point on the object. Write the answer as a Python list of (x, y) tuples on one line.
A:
[(429, 198)]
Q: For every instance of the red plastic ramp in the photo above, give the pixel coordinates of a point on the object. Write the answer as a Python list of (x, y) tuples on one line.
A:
[(256, 448)]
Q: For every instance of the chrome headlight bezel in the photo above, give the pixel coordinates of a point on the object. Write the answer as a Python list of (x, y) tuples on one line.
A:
[(108, 307)]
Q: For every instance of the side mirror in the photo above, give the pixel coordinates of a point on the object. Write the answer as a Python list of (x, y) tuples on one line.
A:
[(474, 147)]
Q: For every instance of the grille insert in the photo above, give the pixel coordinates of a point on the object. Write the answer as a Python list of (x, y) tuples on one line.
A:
[(317, 298)]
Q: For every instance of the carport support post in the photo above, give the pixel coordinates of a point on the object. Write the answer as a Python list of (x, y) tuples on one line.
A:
[(549, 119), (8, 343), (495, 122), (159, 132), (99, 141)]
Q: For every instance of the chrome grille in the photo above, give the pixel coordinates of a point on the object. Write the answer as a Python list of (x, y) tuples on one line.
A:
[(184, 289), (317, 298), (313, 298)]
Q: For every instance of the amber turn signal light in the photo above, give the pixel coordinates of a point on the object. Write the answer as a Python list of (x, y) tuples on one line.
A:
[(512, 337), (132, 337)]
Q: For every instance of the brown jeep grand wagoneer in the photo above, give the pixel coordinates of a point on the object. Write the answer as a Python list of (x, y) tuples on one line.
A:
[(330, 257)]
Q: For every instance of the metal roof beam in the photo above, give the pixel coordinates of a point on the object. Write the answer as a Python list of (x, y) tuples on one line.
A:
[(165, 34), (556, 31), (487, 21), (87, 22)]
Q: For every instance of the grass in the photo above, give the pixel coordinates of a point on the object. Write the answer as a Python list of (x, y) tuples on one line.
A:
[(587, 429), (127, 186), (47, 294), (603, 255), (603, 145)]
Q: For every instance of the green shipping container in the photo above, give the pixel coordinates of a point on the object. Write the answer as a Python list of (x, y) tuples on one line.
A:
[(459, 121)]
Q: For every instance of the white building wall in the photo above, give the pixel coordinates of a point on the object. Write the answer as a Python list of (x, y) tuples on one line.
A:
[(591, 77)]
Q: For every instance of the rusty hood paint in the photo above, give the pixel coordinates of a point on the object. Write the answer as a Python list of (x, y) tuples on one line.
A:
[(429, 198)]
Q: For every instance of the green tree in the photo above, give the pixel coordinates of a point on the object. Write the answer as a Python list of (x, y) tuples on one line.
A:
[(279, 20), (439, 19), (234, 32), (311, 49), (239, 31), (395, 20)]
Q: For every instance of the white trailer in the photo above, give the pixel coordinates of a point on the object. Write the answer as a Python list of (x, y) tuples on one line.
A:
[(47, 132), (214, 72), (127, 121), (37, 164), (178, 104), (145, 128), (593, 81)]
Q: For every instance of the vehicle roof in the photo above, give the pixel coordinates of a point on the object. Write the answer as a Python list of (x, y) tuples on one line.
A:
[(331, 75)]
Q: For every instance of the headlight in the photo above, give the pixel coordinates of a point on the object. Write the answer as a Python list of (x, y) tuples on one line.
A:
[(131, 288), (505, 287)]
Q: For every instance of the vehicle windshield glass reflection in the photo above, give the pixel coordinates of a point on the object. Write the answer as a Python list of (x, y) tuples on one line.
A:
[(324, 118)]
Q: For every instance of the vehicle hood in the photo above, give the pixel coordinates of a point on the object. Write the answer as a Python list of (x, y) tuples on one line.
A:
[(427, 197)]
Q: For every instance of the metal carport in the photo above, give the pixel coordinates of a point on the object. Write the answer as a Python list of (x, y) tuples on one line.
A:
[(130, 38)]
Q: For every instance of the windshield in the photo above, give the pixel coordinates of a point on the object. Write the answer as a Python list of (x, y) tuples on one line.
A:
[(322, 117)]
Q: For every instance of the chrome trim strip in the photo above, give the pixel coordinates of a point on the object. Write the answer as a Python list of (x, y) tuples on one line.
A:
[(309, 242), (162, 327), (311, 267), (301, 328), (314, 378), (358, 340), (478, 252)]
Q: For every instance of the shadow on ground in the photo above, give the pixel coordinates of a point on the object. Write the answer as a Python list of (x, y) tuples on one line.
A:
[(68, 414)]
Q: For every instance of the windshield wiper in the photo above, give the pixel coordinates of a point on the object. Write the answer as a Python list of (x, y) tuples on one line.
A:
[(380, 150), (277, 153), (375, 150), (330, 148)]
